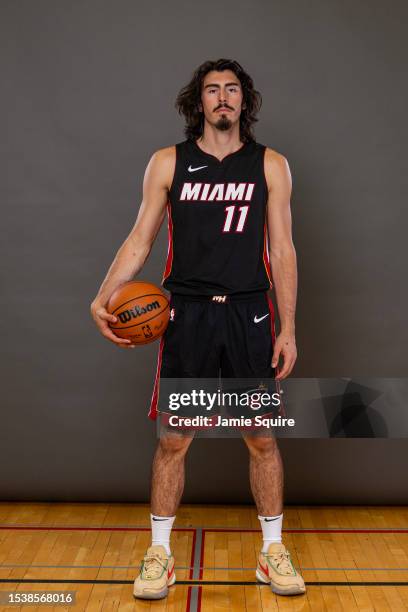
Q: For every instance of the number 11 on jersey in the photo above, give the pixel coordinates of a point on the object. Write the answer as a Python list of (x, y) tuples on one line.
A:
[(230, 213)]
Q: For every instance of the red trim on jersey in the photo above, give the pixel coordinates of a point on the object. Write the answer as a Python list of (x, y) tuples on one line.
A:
[(266, 258), (169, 260), (155, 396)]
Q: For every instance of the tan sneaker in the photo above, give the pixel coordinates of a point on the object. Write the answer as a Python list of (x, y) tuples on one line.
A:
[(276, 568), (156, 574)]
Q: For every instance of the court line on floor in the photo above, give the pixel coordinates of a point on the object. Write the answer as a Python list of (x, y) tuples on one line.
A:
[(83, 528), (190, 575), (212, 529), (304, 531), (194, 559), (193, 603), (209, 568), (307, 530), (195, 586), (199, 583)]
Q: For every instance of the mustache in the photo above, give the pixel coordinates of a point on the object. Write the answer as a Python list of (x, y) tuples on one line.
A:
[(223, 106)]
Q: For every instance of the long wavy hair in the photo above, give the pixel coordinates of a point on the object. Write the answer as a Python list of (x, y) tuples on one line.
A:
[(189, 99)]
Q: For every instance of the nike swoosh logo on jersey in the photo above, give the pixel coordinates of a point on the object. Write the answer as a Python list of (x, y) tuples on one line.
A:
[(256, 320), (190, 169)]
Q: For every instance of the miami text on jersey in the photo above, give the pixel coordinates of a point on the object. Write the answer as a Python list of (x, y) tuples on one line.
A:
[(221, 192)]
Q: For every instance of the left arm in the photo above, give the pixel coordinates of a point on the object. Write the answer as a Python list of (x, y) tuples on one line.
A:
[(282, 257)]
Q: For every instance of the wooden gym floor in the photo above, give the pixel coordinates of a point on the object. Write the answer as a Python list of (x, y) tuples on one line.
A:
[(352, 558)]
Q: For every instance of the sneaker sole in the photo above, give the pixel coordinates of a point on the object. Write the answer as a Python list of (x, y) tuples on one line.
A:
[(289, 591), (276, 589), (160, 594)]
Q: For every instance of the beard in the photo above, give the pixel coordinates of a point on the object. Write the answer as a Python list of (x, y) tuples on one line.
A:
[(223, 123)]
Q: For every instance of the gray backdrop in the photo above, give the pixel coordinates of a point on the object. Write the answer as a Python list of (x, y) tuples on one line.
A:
[(88, 95)]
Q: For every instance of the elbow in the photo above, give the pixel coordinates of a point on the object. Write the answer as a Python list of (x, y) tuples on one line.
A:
[(139, 246), (283, 253)]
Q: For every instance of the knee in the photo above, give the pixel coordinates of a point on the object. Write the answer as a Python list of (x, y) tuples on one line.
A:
[(262, 447), (174, 445)]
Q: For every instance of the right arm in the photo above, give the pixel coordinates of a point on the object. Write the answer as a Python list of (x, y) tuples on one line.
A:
[(134, 251)]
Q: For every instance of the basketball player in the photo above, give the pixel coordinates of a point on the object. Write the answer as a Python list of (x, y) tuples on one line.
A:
[(228, 206)]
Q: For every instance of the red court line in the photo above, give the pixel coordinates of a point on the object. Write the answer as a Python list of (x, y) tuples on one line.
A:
[(190, 575), (54, 528), (222, 530), (188, 602), (214, 530), (200, 589), (200, 575)]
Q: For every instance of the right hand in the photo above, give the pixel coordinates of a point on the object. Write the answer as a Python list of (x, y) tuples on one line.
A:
[(102, 318)]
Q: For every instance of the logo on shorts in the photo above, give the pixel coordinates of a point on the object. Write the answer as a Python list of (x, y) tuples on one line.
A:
[(257, 320), (172, 313)]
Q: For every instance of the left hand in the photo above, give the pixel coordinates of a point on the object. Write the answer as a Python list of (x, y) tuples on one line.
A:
[(285, 345)]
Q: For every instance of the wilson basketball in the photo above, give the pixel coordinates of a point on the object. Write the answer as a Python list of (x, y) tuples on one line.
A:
[(142, 312)]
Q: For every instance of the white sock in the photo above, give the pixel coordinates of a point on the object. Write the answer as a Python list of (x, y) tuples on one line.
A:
[(271, 530), (161, 529)]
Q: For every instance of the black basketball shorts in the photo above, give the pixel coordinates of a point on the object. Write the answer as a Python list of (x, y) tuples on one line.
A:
[(211, 336)]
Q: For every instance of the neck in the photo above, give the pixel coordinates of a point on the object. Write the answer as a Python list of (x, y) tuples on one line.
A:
[(220, 143)]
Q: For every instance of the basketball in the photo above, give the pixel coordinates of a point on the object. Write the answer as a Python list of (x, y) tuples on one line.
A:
[(142, 312)]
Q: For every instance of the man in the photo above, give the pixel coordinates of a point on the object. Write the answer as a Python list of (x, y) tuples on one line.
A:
[(228, 207)]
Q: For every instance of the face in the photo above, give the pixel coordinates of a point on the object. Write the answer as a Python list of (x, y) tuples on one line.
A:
[(221, 98)]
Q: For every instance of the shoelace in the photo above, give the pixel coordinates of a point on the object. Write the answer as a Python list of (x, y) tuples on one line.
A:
[(153, 566), (282, 562)]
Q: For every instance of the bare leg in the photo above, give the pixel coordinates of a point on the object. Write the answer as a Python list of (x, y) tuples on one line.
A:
[(168, 474), (266, 474)]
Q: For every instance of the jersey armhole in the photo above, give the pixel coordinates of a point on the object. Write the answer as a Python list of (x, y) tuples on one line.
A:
[(263, 171), (175, 169), (266, 228)]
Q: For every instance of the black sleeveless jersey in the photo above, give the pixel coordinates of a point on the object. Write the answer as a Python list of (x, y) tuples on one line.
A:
[(217, 222)]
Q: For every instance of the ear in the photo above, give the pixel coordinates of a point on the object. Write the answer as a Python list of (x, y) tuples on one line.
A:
[(200, 108)]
